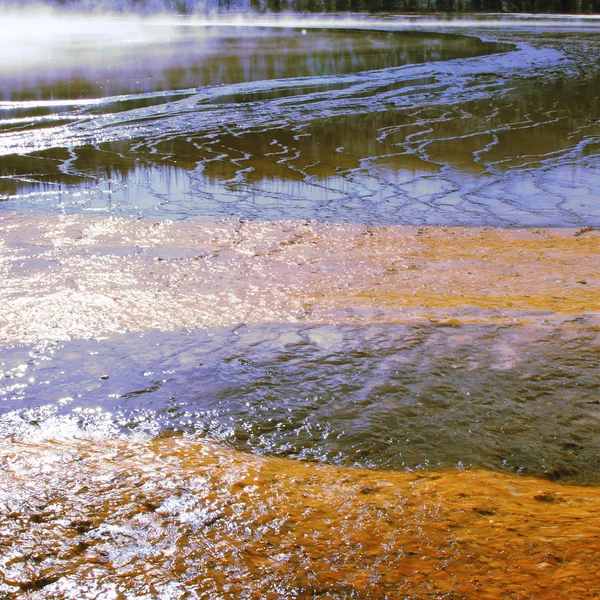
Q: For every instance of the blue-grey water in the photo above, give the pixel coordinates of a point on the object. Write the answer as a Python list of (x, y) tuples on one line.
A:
[(382, 122)]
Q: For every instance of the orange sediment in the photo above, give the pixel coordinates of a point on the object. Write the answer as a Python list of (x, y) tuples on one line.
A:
[(178, 518), (496, 269)]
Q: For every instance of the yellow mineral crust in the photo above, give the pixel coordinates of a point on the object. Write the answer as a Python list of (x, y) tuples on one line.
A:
[(554, 270), (83, 276)]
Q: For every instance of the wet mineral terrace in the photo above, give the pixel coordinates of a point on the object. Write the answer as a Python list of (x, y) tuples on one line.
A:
[(178, 518), (298, 312)]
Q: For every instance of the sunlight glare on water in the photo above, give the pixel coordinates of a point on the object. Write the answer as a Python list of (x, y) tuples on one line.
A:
[(298, 306)]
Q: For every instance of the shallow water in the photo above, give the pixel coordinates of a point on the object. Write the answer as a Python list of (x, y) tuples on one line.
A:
[(403, 348), (261, 333), (430, 137), (163, 58), (401, 397), (180, 519)]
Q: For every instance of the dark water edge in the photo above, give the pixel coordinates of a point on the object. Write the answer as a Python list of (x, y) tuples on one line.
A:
[(402, 397)]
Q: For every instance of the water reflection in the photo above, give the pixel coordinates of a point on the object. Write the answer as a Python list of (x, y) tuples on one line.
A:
[(402, 397), (189, 57), (131, 345), (391, 148), (398, 347)]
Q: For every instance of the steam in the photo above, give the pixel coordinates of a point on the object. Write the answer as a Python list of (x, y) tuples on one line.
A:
[(34, 34), (143, 7), (126, 20)]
